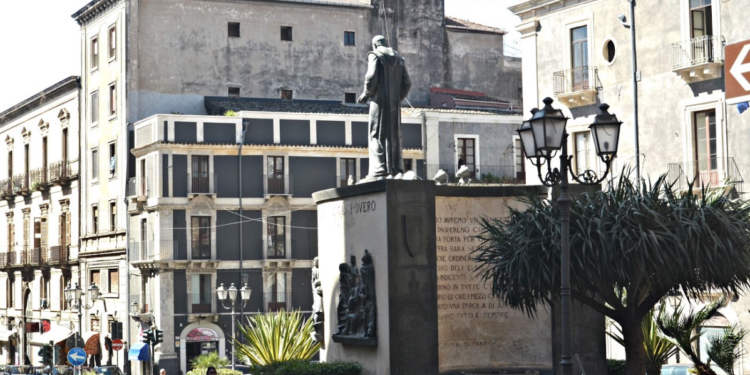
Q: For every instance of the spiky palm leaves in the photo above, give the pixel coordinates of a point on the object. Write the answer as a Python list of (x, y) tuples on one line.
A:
[(205, 361), (276, 337), (629, 246), (658, 349)]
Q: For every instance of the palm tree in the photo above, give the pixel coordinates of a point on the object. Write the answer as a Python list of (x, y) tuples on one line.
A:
[(658, 348), (276, 337), (630, 244)]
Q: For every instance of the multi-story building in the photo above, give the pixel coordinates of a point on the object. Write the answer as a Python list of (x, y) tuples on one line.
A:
[(152, 75), (39, 218), (579, 53)]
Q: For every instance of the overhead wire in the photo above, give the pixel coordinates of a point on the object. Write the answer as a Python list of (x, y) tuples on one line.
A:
[(250, 219)]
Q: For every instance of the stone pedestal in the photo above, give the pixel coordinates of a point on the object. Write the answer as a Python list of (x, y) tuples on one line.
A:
[(395, 221)]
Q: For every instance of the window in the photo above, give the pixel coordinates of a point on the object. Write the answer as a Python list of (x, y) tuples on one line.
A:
[(580, 57), (94, 53), (286, 33), (112, 99), (26, 159), (275, 170), (114, 281), (609, 51), (10, 291), (112, 42), (350, 97), (705, 147), (94, 164), (112, 159), (348, 38), (276, 237), (347, 170), (94, 107), (701, 22), (201, 293), (408, 166), (286, 94), (11, 233), (95, 219), (144, 179), (233, 29), (10, 164), (44, 158), (200, 182), (65, 283), (233, 92), (201, 237), (466, 156), (582, 152), (112, 216), (44, 293), (95, 278), (64, 146), (276, 291), (520, 162), (64, 232), (40, 236)]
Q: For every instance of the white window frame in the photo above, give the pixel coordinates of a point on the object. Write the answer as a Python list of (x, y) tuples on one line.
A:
[(690, 106), (477, 153), (189, 275), (585, 20), (685, 19)]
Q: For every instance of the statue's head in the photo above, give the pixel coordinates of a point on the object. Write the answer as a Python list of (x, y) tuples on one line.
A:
[(353, 260), (378, 41), (315, 262), (367, 258), (344, 268)]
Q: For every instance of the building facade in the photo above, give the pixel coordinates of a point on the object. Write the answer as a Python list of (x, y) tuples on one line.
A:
[(40, 218), (579, 53)]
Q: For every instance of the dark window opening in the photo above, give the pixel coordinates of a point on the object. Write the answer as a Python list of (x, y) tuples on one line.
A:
[(112, 216), (348, 38), (466, 155), (610, 53), (95, 219), (580, 56), (112, 159), (233, 29), (276, 241), (233, 92), (286, 33), (350, 97), (286, 94), (347, 170), (201, 237)]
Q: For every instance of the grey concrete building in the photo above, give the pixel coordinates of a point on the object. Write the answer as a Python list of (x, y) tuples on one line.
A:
[(579, 53), (39, 226)]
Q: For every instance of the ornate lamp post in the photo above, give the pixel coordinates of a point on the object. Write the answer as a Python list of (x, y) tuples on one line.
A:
[(230, 295), (542, 137), (73, 296)]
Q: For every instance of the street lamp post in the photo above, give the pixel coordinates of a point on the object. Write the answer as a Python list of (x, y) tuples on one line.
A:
[(74, 295), (542, 137), (231, 296)]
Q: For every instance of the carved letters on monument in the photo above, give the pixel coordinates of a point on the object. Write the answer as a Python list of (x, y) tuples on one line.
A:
[(317, 308), (386, 84), (357, 308)]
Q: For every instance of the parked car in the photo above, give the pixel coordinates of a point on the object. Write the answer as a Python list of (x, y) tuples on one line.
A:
[(17, 369), (676, 369), (108, 370)]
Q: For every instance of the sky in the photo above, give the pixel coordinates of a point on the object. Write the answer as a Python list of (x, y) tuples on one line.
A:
[(37, 54)]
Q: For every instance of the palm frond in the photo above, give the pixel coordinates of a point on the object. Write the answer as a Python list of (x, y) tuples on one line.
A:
[(276, 337)]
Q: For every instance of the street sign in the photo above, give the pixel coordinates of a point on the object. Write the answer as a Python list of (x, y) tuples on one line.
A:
[(737, 71), (76, 356), (117, 344)]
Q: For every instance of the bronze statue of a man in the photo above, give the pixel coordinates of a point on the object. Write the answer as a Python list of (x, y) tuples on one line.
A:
[(386, 84)]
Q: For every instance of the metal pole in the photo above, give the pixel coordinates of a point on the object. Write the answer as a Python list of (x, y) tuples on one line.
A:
[(126, 344), (242, 309), (233, 332), (565, 201), (635, 91)]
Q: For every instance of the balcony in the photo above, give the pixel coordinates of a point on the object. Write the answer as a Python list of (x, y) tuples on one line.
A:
[(483, 174), (5, 259), (576, 87), (698, 59), (277, 184), (59, 254), (21, 184), (202, 184), (715, 173), (276, 302), (200, 302), (39, 179), (37, 257), (62, 172)]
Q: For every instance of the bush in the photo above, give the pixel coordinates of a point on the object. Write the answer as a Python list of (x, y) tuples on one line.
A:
[(308, 368), (219, 371), (276, 338), (205, 361), (615, 367)]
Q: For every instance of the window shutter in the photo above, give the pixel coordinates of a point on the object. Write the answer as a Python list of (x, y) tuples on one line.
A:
[(67, 229), (60, 226), (43, 228), (37, 230)]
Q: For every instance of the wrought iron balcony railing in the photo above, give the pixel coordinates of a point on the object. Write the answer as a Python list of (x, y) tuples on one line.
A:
[(576, 79), (696, 51), (713, 172)]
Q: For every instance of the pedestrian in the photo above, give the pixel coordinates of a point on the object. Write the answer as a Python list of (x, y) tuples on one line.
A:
[(211, 371), (162, 372)]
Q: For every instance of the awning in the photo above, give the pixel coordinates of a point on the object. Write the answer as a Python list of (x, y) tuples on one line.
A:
[(56, 334), (138, 352), (5, 335)]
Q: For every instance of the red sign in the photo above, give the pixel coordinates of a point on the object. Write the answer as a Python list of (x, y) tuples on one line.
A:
[(737, 69), (45, 325), (117, 344), (32, 327)]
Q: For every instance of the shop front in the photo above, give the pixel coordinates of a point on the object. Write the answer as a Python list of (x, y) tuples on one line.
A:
[(198, 339)]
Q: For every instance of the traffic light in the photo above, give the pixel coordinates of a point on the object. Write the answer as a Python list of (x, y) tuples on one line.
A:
[(159, 336), (148, 336), (45, 353)]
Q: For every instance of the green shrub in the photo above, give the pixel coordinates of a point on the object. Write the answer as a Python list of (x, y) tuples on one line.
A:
[(219, 371), (231, 113), (276, 338), (308, 368), (205, 361), (615, 367)]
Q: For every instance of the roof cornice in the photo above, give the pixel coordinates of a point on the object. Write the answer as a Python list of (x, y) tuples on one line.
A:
[(68, 84), (93, 10), (533, 8)]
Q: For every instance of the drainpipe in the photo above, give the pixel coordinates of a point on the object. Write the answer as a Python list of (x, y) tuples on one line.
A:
[(239, 173)]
